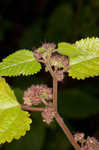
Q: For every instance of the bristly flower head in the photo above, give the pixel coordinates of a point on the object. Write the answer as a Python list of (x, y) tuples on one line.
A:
[(79, 137), (36, 93), (48, 114), (44, 50), (60, 75), (86, 144), (60, 64), (91, 144), (49, 46), (59, 61)]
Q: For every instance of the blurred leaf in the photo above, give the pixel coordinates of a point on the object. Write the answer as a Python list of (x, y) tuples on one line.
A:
[(24, 82), (77, 104), (19, 94), (89, 21), (95, 3), (60, 24), (5, 26), (57, 141), (32, 36)]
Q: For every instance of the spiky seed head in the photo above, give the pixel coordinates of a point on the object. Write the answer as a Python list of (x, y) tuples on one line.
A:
[(59, 61), (79, 136), (86, 144), (36, 93), (44, 50), (60, 75), (48, 114), (49, 46), (92, 144), (37, 55)]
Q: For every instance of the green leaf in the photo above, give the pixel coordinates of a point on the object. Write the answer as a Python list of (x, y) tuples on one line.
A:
[(20, 62), (30, 141), (87, 63), (14, 122), (77, 104), (68, 49)]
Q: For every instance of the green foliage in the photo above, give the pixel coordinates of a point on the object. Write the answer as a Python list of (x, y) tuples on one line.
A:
[(77, 104), (21, 62), (5, 26), (60, 24), (32, 35), (87, 63), (89, 21), (32, 141), (57, 141), (67, 49), (13, 121)]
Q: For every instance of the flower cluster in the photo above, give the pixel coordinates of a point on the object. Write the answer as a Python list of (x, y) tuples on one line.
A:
[(61, 64), (86, 144), (91, 144), (49, 46), (36, 94), (79, 137), (59, 61), (60, 75), (48, 114), (44, 51), (47, 54)]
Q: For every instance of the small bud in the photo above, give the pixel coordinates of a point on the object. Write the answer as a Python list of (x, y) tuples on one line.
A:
[(48, 114), (59, 61), (43, 52), (86, 144), (37, 55), (49, 46), (79, 137), (92, 144), (60, 75), (36, 93)]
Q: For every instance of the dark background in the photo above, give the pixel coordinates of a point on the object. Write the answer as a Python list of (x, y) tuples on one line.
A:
[(29, 23)]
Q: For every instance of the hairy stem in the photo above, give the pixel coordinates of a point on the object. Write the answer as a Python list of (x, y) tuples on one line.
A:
[(50, 69), (66, 131), (55, 84), (45, 102), (31, 108), (57, 116)]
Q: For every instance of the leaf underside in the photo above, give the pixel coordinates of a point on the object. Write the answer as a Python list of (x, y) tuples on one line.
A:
[(14, 122), (87, 63), (20, 62)]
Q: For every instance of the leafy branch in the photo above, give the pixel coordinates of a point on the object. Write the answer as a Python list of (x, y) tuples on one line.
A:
[(80, 60)]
